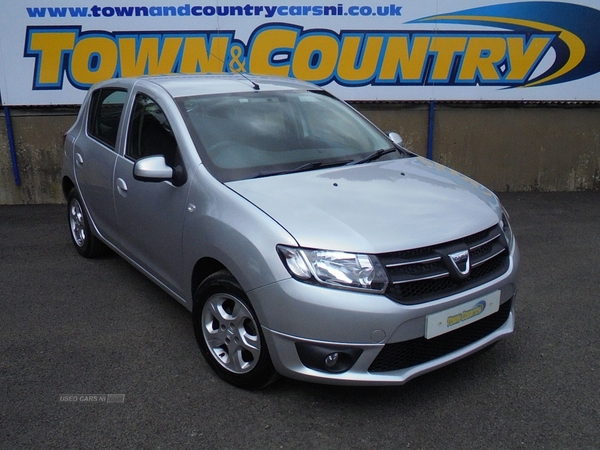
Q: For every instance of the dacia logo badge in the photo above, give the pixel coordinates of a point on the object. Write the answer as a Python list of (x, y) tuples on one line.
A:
[(461, 261)]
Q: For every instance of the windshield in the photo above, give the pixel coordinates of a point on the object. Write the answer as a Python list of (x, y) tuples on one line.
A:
[(256, 134)]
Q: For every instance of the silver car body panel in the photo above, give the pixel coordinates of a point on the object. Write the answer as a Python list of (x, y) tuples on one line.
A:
[(290, 365), (167, 231), (378, 208), (338, 315)]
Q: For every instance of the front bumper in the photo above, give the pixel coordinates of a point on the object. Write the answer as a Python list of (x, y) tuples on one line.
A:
[(303, 325), (338, 337), (289, 364)]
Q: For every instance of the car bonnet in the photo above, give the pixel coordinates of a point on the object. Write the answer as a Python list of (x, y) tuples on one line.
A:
[(374, 208)]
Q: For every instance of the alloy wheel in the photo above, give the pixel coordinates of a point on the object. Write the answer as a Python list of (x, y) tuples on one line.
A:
[(231, 333)]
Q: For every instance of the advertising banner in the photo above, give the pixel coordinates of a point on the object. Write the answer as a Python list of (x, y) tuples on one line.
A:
[(52, 51)]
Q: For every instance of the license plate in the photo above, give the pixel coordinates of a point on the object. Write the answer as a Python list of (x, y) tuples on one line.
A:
[(459, 316)]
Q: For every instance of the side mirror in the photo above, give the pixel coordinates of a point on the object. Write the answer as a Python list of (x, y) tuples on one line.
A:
[(152, 168), (395, 137)]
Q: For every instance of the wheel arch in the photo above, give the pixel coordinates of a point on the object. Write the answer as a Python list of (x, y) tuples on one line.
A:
[(67, 185), (204, 268)]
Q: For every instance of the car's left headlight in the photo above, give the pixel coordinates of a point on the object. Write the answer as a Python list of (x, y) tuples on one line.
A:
[(335, 269)]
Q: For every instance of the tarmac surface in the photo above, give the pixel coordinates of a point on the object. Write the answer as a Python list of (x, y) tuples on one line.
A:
[(92, 354)]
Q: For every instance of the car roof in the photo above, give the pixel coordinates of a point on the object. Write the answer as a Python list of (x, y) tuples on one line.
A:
[(181, 85)]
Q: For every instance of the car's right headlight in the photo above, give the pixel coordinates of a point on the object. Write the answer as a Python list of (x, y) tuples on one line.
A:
[(335, 269), (506, 228)]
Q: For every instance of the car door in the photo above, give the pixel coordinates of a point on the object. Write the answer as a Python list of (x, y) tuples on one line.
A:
[(95, 155), (150, 214)]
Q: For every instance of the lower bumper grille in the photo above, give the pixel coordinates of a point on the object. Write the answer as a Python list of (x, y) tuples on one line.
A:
[(406, 354)]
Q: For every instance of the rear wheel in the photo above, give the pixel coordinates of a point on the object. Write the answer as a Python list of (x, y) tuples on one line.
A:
[(85, 242), (229, 334)]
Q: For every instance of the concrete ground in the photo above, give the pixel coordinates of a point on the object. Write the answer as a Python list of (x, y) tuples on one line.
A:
[(97, 327)]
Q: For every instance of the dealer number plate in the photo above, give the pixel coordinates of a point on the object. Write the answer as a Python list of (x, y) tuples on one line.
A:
[(461, 315)]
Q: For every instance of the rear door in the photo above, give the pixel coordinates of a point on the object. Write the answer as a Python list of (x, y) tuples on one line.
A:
[(95, 155)]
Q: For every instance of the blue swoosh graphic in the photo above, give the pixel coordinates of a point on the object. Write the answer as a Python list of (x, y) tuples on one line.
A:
[(577, 46)]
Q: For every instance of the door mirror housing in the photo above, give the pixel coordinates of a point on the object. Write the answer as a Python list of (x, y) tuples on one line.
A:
[(152, 168), (395, 137)]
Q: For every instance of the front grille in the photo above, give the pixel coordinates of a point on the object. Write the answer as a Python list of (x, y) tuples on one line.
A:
[(425, 274), (406, 354)]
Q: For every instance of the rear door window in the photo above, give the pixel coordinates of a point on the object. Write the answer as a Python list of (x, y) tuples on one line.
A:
[(106, 108)]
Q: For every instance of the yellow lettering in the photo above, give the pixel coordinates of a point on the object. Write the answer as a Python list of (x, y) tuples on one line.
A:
[(453, 320), (148, 59), (347, 69), (398, 57), (315, 58), (481, 57), (198, 58), (87, 72), (445, 48), (353, 58), (51, 47), (520, 60), (263, 47)]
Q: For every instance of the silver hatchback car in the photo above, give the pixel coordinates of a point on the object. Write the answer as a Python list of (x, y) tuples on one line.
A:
[(305, 242)]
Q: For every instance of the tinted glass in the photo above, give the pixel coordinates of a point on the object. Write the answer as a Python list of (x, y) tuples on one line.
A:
[(150, 132), (106, 109), (252, 134)]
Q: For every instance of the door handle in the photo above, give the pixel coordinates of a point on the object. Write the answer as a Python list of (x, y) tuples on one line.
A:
[(79, 159), (121, 186)]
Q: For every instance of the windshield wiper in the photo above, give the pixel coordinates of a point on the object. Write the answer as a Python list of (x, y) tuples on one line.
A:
[(302, 168), (373, 156)]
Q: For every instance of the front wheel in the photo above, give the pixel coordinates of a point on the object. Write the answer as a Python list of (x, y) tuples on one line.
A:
[(229, 334), (85, 242)]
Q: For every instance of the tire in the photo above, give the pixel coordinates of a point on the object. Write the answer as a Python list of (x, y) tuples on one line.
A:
[(85, 242), (229, 333)]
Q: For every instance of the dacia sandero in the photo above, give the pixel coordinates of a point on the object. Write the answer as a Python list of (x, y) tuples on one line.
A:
[(304, 241)]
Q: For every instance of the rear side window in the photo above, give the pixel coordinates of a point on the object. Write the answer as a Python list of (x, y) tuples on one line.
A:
[(106, 108)]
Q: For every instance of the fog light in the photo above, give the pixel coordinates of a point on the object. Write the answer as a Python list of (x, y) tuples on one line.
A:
[(325, 358), (332, 359)]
